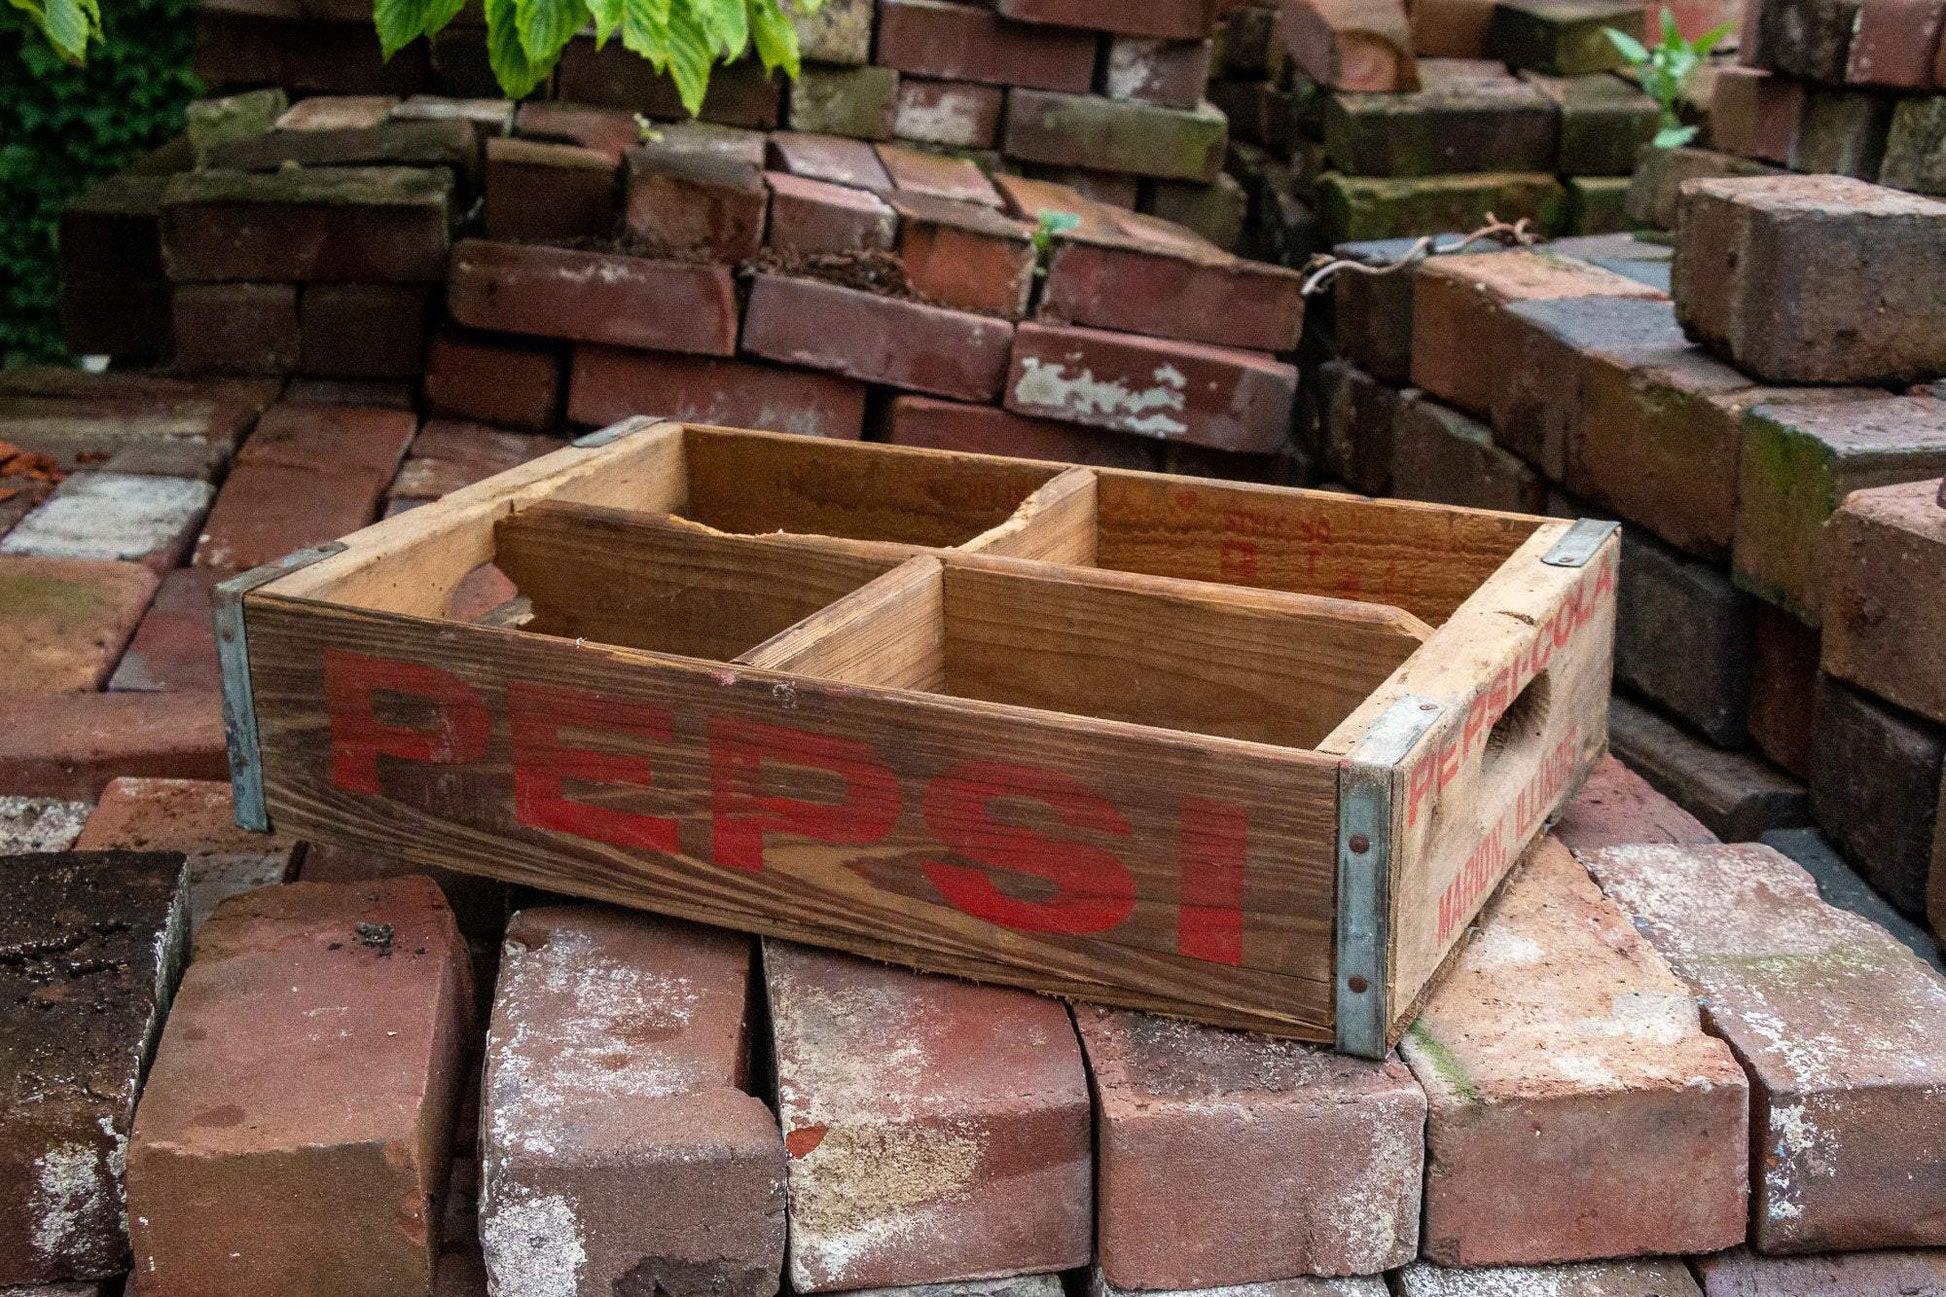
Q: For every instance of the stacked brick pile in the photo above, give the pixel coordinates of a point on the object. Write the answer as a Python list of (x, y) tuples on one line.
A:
[(1775, 651)]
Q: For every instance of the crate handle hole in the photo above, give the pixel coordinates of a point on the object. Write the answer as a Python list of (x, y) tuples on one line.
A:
[(1524, 719)]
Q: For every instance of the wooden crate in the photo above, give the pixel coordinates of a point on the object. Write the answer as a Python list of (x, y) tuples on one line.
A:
[(1246, 754)]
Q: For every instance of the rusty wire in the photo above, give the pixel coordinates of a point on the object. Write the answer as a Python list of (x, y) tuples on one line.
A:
[(1520, 234)]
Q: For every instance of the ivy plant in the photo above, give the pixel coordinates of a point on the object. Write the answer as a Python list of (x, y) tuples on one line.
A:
[(1663, 70)]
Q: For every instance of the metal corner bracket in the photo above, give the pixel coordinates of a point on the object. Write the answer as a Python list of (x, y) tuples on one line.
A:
[(1580, 543), (1365, 874), (616, 431), (239, 705)]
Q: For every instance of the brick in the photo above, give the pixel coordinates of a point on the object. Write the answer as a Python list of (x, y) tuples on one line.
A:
[(376, 224), (64, 621), (451, 145), (313, 1054), (337, 112), (1883, 600), (1617, 806), (1754, 113), (1685, 638), (339, 57), (1459, 312), (236, 328), (697, 139), (351, 440), (1809, 39), (1217, 211), (1567, 1080), (371, 393), (815, 217), (1217, 397), (1442, 455), (1246, 42), (269, 508), (1783, 689), (1451, 29), (1605, 122), (449, 454), (1031, 198), (362, 330), (839, 32), (984, 430), (1460, 119), (174, 648), (620, 1146), (1841, 887), (506, 381), (957, 114), (740, 93), (1915, 147), (829, 158), (488, 116), (1875, 313), (1301, 1286), (548, 193), (71, 745), (1372, 314), (856, 102), (1109, 188), (1195, 1126), (1559, 37), (1356, 425), (1661, 173), (934, 175), (1799, 463), (877, 339), (961, 1150), (479, 904), (1171, 19), (1875, 783), (95, 942), (115, 299), (1170, 73), (1842, 132), (118, 517), (210, 122), (1350, 44), (1152, 279), (1742, 1273), (1737, 796), (696, 204), (1668, 1278), (610, 384), (610, 132), (196, 818), (970, 42), (35, 824), (1836, 1024), (1362, 208), (965, 256), (594, 297), (1115, 135)]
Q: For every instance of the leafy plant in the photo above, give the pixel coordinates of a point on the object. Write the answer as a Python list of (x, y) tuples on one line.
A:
[(1050, 224), (1664, 69)]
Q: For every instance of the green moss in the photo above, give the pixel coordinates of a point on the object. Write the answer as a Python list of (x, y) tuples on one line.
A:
[(1425, 1047)]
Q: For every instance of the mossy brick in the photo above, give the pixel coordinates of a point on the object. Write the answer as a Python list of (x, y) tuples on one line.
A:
[(1560, 37), (337, 112), (1810, 39), (1168, 19), (1459, 120), (858, 103), (64, 622), (1885, 595), (1755, 113), (545, 192), (1842, 132), (1171, 73), (94, 944), (1115, 135), (450, 144), (1605, 121), (306, 225), (1738, 796), (1875, 783), (1838, 1026), (1661, 173), (1218, 211), (1444, 456), (1684, 638), (1597, 204), (959, 114), (838, 32), (1568, 1079), (210, 122), (1915, 148), (970, 42), (1648, 1278), (1860, 263), (1799, 463), (1362, 208)]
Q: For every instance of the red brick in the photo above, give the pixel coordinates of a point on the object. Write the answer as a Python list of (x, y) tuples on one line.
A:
[(594, 297), (1617, 807), (1157, 279), (266, 511), (63, 622), (362, 330), (965, 256), (447, 145), (696, 204), (1755, 114), (985, 430), (1885, 595), (610, 132), (620, 1145), (94, 945), (1875, 781), (1443, 456), (959, 114), (71, 745), (479, 903), (1174, 391), (313, 1056), (120, 517), (933, 175), (1198, 1130), (877, 339), (1175, 19), (1350, 44), (1115, 135), (1350, 1286), (1030, 198), (740, 93), (1893, 43), (351, 440), (1783, 689), (813, 217), (969, 42), (1110, 188), (511, 382), (1837, 1024), (197, 818), (936, 1130), (610, 384), (236, 328), (1171, 73), (1569, 1085), (1742, 1273), (829, 158), (449, 454), (1668, 1278), (548, 193), (367, 224)]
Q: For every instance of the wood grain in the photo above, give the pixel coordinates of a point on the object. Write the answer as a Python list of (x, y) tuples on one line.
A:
[(891, 633)]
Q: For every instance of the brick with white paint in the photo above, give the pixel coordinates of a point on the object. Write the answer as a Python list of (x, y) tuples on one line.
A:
[(120, 516)]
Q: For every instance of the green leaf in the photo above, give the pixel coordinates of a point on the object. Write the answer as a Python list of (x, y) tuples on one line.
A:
[(727, 23), (399, 23), (1708, 40), (517, 73), (1672, 137), (67, 26), (1630, 48), (545, 26), (608, 18), (775, 35), (645, 30), (1671, 34), (690, 55)]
